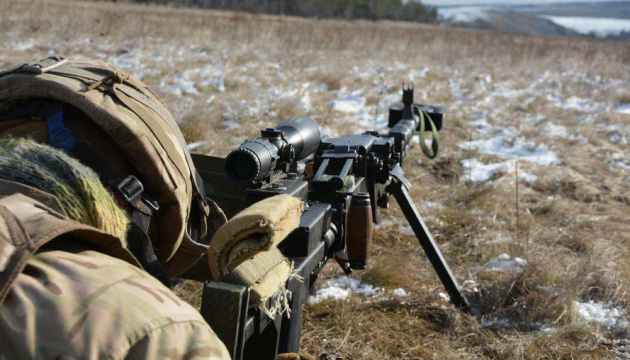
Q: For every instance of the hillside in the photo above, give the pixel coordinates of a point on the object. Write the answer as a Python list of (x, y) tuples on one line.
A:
[(594, 19), (529, 198)]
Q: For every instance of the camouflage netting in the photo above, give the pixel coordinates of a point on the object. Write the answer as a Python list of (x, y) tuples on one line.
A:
[(77, 187)]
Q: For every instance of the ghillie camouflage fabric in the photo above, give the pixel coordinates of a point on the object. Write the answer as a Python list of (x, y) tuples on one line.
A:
[(77, 187), (70, 301)]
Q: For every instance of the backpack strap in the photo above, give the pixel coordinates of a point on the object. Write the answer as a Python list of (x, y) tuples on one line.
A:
[(131, 192)]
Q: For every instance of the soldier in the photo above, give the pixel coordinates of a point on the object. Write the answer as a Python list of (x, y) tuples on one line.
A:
[(100, 204), (93, 226), (82, 294)]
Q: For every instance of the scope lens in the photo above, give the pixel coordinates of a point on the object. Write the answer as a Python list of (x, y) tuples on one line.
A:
[(241, 166)]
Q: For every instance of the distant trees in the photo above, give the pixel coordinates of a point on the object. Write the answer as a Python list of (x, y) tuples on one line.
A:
[(408, 10)]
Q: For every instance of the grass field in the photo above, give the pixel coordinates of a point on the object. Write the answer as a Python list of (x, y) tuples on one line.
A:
[(529, 197)]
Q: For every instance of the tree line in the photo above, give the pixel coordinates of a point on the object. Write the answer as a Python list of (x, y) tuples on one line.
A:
[(408, 10)]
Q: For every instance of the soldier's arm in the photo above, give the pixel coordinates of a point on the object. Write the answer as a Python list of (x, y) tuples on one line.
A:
[(191, 340), (79, 303)]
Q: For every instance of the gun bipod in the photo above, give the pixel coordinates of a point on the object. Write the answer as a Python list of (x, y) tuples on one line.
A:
[(430, 247)]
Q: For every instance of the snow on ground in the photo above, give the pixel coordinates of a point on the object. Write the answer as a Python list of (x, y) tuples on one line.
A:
[(343, 287), (602, 314), (601, 27), (579, 104), (351, 103), (501, 123), (464, 14), (476, 171), (505, 144), (505, 263), (195, 145), (623, 108)]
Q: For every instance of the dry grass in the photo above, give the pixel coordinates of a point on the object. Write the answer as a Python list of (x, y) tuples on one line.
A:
[(573, 221)]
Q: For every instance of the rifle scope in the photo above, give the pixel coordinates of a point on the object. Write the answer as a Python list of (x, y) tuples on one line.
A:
[(255, 160)]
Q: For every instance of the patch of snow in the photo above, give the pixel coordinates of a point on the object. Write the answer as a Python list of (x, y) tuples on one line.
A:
[(22, 46), (351, 103), (195, 145), (407, 230), (218, 82), (621, 164), (506, 92), (230, 123), (414, 74), (398, 294), (603, 314), (480, 121), (505, 145), (502, 323), (548, 330), (623, 108), (470, 285), (383, 224), (305, 101), (600, 27), (432, 205), (182, 87), (505, 263), (616, 137), (580, 104), (556, 131), (528, 177), (465, 14), (480, 172), (341, 288)]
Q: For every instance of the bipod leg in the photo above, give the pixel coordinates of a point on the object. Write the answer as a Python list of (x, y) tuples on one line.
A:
[(431, 249)]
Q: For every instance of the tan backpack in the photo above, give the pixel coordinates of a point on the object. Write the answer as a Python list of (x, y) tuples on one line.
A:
[(129, 138)]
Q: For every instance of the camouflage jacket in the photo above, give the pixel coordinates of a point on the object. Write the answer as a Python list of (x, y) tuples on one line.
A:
[(72, 302)]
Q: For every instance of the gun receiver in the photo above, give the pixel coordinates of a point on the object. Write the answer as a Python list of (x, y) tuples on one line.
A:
[(344, 182)]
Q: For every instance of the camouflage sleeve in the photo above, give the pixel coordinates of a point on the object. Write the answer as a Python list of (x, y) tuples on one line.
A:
[(179, 341), (87, 305)]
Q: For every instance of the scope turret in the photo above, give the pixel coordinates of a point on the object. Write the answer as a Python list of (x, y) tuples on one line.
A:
[(256, 160)]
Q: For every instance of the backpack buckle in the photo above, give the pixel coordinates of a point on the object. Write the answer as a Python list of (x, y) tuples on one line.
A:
[(152, 203), (130, 188), (45, 65)]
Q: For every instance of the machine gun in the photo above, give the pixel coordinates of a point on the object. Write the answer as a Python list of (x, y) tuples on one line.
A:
[(343, 181)]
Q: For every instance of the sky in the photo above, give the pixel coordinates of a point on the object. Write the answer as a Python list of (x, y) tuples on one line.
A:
[(478, 2)]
